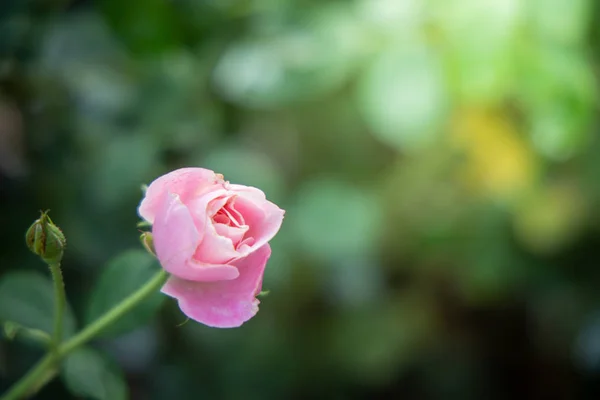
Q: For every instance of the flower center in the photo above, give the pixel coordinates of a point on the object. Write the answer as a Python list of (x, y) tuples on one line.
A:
[(230, 223), (228, 215)]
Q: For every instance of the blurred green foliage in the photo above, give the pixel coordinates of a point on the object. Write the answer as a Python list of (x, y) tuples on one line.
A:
[(438, 161), (88, 375)]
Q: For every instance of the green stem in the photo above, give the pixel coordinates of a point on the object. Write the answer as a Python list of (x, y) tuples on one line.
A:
[(114, 314), (27, 383), (59, 304), (36, 376)]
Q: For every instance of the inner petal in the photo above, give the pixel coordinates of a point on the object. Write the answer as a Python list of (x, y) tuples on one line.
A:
[(221, 218), (233, 214), (205, 207), (216, 205), (234, 233), (245, 244)]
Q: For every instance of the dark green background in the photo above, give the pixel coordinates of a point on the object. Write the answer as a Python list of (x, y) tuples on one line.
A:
[(438, 162)]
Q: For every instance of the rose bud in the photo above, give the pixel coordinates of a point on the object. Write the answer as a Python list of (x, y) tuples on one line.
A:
[(46, 240)]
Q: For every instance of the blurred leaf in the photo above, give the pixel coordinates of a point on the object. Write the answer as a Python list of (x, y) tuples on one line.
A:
[(91, 30), (483, 74), (82, 52), (490, 267), (27, 298), (88, 374), (422, 203), (391, 17), (13, 330), (560, 21), (559, 94), (402, 96), (586, 350), (291, 63), (481, 64), (373, 343), (123, 275), (100, 91), (133, 153), (14, 28), (355, 282), (331, 219), (146, 26), (493, 20)]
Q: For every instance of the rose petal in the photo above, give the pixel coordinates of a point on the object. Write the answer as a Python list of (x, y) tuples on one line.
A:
[(217, 202), (200, 208), (225, 304), (263, 217), (214, 248), (175, 241), (234, 216), (185, 182), (234, 233), (249, 191), (221, 219)]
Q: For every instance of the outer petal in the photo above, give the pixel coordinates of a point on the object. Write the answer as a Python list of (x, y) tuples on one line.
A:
[(175, 241), (263, 217), (250, 191), (185, 182), (225, 304)]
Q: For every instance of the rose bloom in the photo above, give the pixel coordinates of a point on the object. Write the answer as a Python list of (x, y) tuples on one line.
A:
[(212, 237)]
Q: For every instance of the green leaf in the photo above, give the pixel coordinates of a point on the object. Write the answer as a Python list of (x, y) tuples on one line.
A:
[(123, 275), (561, 21), (559, 95), (402, 96), (146, 27), (327, 228), (27, 298), (291, 64), (13, 331), (89, 374)]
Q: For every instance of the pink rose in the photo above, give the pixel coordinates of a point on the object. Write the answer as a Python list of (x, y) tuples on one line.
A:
[(212, 237)]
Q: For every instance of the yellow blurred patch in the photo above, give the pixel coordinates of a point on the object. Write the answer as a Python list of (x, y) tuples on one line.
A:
[(551, 217), (498, 162)]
